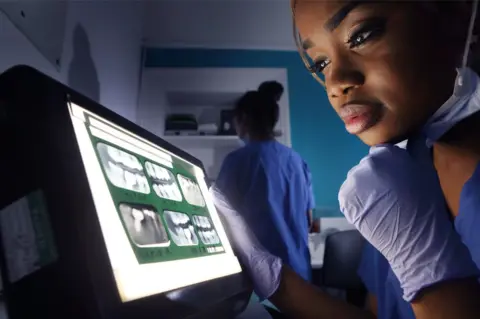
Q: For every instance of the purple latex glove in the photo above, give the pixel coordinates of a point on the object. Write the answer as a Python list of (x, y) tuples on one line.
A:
[(400, 209)]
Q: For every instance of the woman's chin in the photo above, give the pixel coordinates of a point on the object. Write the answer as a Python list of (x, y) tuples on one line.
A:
[(377, 135)]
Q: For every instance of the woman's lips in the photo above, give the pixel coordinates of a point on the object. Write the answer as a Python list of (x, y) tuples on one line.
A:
[(358, 118)]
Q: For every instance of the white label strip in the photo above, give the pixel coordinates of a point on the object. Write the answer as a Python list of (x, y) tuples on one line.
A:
[(131, 147), (129, 139)]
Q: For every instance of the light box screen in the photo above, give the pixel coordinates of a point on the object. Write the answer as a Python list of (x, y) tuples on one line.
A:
[(160, 226)]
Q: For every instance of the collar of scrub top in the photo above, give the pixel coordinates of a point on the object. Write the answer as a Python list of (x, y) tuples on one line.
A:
[(464, 102), (465, 99)]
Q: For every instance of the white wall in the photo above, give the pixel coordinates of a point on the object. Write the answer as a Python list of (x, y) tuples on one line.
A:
[(231, 24), (16, 49), (105, 65), (115, 30)]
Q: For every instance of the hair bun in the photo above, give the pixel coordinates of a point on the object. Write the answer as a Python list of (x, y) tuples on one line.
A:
[(266, 95), (271, 90)]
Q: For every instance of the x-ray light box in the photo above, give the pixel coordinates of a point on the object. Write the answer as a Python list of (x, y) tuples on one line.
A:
[(102, 219), (154, 210)]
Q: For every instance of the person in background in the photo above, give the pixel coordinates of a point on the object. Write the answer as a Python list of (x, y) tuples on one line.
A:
[(397, 74), (275, 89), (269, 184)]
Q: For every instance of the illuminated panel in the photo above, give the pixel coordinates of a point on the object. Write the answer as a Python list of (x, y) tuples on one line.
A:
[(158, 220)]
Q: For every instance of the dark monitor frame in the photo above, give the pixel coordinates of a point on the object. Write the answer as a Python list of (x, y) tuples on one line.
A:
[(92, 274)]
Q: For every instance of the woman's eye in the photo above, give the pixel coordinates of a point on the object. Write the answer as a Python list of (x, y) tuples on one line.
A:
[(319, 66), (367, 32), (359, 39)]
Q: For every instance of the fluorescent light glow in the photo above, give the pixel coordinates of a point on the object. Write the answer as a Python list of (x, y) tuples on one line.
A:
[(136, 280)]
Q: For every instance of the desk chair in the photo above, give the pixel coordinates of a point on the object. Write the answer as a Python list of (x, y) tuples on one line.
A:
[(343, 251)]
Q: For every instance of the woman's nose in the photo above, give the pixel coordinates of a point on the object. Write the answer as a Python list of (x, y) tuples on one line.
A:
[(342, 77)]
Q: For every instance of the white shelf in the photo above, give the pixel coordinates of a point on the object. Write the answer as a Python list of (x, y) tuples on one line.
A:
[(202, 99), (203, 141)]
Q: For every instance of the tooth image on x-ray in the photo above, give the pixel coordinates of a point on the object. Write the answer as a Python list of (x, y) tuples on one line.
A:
[(205, 229), (144, 225), (123, 169), (181, 229), (191, 191), (163, 182), (138, 217)]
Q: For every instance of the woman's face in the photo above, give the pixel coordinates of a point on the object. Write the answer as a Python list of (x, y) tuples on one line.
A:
[(387, 66)]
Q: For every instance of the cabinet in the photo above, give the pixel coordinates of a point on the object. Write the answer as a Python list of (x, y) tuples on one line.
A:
[(204, 92)]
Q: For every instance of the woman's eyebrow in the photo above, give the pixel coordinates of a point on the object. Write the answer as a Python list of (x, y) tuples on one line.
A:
[(336, 20), (341, 14)]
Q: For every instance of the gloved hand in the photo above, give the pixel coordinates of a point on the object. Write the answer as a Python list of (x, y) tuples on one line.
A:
[(400, 209), (263, 268)]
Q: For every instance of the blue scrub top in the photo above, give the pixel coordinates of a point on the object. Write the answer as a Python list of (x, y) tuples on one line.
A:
[(467, 223), (374, 269), (380, 281), (271, 186)]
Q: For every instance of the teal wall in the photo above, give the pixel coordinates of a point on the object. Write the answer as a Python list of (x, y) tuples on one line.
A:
[(316, 132)]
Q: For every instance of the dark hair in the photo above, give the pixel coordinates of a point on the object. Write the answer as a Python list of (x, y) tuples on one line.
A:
[(259, 111), (272, 88)]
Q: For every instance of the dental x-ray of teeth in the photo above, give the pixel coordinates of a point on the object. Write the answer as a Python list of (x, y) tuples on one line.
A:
[(205, 230), (144, 225), (163, 182), (144, 182), (191, 191), (181, 228), (123, 169)]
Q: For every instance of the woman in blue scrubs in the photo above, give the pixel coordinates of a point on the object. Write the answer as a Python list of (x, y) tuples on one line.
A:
[(389, 69), (269, 183)]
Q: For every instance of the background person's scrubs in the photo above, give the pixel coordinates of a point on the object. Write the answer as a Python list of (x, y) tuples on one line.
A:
[(270, 185)]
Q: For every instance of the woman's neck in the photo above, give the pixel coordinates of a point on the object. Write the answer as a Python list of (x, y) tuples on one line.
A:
[(456, 155)]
